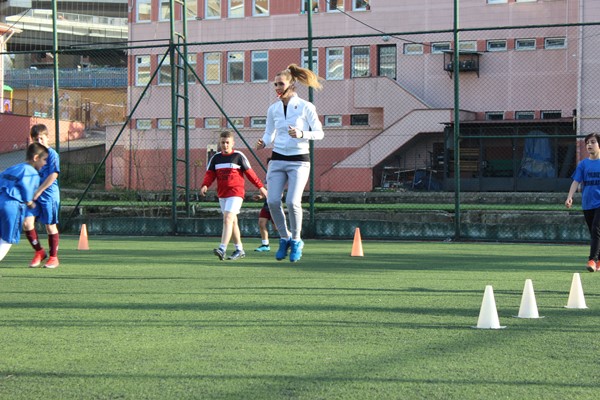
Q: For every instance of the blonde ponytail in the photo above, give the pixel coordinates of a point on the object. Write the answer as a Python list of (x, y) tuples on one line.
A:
[(302, 75)]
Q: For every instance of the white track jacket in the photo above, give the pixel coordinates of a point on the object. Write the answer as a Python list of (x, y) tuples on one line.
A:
[(300, 114)]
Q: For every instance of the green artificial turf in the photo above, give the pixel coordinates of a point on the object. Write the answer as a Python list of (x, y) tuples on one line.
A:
[(162, 318)]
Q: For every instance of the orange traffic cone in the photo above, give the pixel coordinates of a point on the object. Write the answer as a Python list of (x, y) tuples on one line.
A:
[(83, 239), (357, 250)]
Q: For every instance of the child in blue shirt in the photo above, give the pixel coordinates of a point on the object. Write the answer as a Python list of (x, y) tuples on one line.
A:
[(47, 198), (17, 186), (587, 174)]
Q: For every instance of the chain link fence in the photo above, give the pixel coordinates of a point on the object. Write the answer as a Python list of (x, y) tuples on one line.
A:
[(138, 124)]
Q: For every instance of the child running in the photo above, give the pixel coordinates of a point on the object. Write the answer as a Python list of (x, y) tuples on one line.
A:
[(228, 167), (17, 187), (47, 198), (587, 174), (264, 217)]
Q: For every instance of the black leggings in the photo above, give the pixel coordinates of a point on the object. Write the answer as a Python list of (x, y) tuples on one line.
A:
[(592, 219)]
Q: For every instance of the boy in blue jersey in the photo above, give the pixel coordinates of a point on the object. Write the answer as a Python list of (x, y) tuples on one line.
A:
[(17, 186), (587, 174), (47, 198)]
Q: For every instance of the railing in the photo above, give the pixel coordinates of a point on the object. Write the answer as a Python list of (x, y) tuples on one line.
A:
[(69, 78)]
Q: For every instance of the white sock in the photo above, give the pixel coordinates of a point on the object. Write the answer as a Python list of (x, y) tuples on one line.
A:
[(239, 247), (265, 242)]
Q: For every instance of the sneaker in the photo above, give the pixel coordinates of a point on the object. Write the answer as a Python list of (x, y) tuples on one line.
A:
[(52, 262), (284, 245), (591, 266), (296, 250), (263, 247), (39, 256), (236, 255), (219, 253)]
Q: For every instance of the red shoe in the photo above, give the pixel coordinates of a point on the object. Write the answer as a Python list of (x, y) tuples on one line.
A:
[(52, 262), (591, 266), (40, 256)]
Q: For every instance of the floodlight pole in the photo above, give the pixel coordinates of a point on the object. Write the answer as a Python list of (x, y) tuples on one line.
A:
[(455, 65), (56, 106), (311, 145)]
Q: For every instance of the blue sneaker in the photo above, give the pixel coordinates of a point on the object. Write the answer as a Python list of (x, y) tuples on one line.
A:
[(263, 247), (219, 253), (236, 255), (296, 250), (284, 245)]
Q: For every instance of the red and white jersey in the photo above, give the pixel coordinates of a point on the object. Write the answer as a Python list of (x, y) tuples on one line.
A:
[(229, 170)]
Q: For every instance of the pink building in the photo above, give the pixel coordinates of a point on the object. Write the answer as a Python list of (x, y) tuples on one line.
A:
[(388, 98)]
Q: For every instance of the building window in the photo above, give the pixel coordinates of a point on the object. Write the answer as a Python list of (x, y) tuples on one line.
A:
[(361, 61), (526, 1), (413, 48), (315, 6), (469, 45), (142, 70), (496, 45), (333, 120), (555, 43), (164, 74), (551, 114), (144, 11), (237, 122), (359, 119), (335, 63), (386, 61), (191, 66), (213, 9), (165, 123), (524, 44), (260, 66), (494, 115), (191, 122), (315, 60), (524, 115), (440, 47), (260, 8), (191, 9), (360, 5), (258, 122), (235, 66), (212, 123), (143, 124), (165, 10), (335, 5), (236, 9), (496, 1), (212, 68)]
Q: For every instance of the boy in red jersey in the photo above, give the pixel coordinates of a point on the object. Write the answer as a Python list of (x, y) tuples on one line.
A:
[(228, 168)]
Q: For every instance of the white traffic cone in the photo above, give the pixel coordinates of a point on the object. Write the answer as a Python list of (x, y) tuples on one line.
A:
[(528, 307), (488, 316), (576, 299)]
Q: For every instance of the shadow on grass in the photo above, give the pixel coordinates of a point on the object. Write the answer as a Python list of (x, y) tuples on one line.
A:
[(285, 379)]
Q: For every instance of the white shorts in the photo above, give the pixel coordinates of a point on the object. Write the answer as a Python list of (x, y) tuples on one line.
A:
[(231, 204)]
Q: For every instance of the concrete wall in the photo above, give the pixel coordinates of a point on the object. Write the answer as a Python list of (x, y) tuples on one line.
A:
[(14, 131)]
